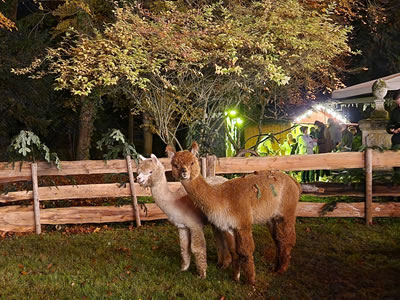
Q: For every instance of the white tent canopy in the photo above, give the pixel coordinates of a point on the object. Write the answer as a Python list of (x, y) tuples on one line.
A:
[(392, 82)]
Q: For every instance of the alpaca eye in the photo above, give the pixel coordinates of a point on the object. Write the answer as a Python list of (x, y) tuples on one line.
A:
[(192, 163), (151, 172)]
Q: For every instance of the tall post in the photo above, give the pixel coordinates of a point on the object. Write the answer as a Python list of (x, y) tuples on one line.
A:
[(204, 167), (368, 186), (211, 160), (36, 204), (133, 192)]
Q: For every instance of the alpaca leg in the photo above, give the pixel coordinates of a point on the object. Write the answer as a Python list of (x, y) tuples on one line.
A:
[(224, 255), (198, 246), (230, 239), (245, 249), (284, 234), (272, 229), (184, 241)]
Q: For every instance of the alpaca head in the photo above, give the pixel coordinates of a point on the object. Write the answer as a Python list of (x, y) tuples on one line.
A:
[(149, 170), (185, 164)]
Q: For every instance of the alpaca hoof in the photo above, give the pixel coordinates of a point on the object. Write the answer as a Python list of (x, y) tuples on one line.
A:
[(203, 275), (236, 277), (251, 281), (280, 270), (185, 267)]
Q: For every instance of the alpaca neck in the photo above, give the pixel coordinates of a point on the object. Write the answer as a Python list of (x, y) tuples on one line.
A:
[(160, 190), (201, 193)]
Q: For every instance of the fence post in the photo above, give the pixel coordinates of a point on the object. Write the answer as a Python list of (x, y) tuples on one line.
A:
[(368, 186), (36, 204), (133, 192), (211, 161), (204, 167)]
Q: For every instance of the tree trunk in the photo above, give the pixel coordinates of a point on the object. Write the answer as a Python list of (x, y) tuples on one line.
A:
[(147, 135), (86, 120), (130, 127)]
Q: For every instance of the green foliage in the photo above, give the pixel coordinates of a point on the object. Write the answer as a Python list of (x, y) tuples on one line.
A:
[(177, 62), (27, 146), (116, 145)]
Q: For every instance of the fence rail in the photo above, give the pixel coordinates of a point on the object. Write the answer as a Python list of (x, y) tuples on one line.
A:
[(26, 218)]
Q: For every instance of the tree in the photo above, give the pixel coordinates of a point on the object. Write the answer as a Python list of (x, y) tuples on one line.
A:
[(178, 64), (86, 18)]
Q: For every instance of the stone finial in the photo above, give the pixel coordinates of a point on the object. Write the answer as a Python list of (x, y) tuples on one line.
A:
[(379, 90)]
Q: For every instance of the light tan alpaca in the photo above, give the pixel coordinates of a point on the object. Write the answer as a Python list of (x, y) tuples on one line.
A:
[(185, 215), (262, 197)]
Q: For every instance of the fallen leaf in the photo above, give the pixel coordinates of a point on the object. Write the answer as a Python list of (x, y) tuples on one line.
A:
[(273, 190)]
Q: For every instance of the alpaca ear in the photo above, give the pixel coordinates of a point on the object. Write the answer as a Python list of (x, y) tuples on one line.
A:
[(195, 148), (155, 159), (170, 151), (141, 157)]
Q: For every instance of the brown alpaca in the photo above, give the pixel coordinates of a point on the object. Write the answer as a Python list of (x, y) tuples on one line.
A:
[(185, 216), (263, 197)]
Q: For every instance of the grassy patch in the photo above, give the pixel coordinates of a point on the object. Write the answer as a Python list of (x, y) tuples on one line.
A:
[(333, 259)]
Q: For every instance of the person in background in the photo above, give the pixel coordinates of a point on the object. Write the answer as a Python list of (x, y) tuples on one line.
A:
[(305, 145), (357, 140), (324, 144), (323, 138), (286, 146), (314, 174), (335, 132), (393, 126), (347, 139)]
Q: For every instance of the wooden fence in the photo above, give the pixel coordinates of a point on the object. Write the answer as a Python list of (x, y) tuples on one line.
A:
[(22, 218)]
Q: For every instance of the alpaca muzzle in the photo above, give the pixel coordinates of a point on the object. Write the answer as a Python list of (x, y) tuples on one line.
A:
[(143, 179), (185, 173)]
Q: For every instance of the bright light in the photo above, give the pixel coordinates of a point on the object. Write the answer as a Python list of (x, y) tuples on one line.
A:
[(232, 113), (319, 107), (239, 121)]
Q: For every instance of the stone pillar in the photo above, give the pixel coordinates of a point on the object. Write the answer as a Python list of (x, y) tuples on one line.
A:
[(374, 133), (374, 129)]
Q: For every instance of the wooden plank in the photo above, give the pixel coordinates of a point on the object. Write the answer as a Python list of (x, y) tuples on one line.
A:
[(100, 214), (387, 209), (17, 218), (368, 186), (386, 159), (36, 204), (82, 167), (356, 209), (20, 218), (314, 209), (224, 165), (112, 190), (85, 191), (327, 161), (324, 189), (132, 189)]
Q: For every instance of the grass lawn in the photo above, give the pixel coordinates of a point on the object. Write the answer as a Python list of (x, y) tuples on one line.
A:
[(333, 259)]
